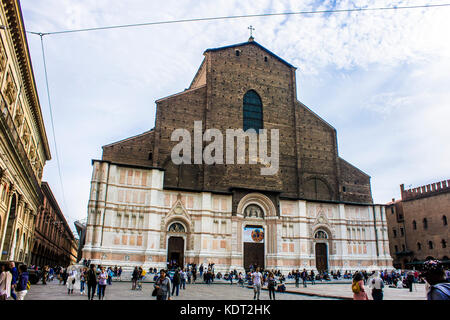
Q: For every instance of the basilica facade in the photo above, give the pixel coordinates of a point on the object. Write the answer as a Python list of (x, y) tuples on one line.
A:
[(315, 212)]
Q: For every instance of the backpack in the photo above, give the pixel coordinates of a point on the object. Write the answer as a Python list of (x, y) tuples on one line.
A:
[(355, 287), (443, 291)]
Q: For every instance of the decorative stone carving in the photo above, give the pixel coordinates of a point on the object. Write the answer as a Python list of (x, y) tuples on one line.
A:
[(253, 211), (177, 228)]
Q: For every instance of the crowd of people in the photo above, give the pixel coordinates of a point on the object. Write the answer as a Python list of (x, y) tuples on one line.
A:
[(433, 274), (15, 283)]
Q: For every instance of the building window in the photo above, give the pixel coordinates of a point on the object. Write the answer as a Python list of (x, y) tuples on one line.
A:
[(395, 233), (392, 209), (253, 116), (403, 247), (430, 244), (444, 220), (444, 243), (419, 246), (402, 232), (396, 248), (238, 53), (425, 223), (414, 225)]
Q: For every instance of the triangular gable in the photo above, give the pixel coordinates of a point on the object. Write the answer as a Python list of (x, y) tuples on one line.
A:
[(251, 43)]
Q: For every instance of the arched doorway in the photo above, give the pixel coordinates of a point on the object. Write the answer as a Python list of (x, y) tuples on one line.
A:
[(9, 236), (175, 245), (175, 252), (253, 247), (321, 248)]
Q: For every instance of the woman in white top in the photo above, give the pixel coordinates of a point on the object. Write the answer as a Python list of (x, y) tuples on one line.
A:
[(5, 282), (72, 281)]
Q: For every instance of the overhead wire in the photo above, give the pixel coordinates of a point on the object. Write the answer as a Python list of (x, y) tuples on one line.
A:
[(51, 120), (240, 17)]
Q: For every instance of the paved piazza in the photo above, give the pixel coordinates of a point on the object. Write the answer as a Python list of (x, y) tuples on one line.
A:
[(220, 291), (122, 291)]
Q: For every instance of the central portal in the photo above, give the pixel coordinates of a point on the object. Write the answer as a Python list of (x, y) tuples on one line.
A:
[(253, 247), (321, 257), (175, 252)]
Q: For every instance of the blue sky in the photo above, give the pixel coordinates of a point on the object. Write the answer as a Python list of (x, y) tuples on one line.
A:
[(380, 78)]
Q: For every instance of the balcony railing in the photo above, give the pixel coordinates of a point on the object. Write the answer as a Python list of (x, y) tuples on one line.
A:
[(9, 127)]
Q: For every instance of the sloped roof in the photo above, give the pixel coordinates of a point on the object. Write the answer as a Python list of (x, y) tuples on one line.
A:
[(252, 43)]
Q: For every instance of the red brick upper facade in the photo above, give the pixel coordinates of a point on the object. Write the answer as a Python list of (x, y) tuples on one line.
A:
[(310, 167)]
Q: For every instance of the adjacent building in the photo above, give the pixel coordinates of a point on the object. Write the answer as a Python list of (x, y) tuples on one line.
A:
[(24, 149), (418, 225), (315, 212), (54, 241)]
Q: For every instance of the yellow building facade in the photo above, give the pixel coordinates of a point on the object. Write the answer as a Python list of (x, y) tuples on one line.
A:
[(24, 148)]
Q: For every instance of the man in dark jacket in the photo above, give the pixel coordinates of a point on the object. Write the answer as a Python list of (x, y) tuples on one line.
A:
[(176, 282), (134, 278), (91, 280)]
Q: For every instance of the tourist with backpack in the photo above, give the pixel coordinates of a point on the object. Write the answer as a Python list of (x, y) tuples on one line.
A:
[(162, 287), (437, 284), (271, 285), (359, 292)]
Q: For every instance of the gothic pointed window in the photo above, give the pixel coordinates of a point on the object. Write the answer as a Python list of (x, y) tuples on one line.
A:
[(253, 116)]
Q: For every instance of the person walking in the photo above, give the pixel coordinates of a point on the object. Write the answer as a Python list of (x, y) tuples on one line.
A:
[(437, 284), (102, 277), (15, 276), (119, 273), (91, 280), (271, 285), (313, 277), (377, 285), (183, 277), (134, 278), (162, 286), (256, 279), (410, 280), (110, 275), (5, 282), (71, 279), (82, 280), (201, 270), (359, 292), (297, 278), (304, 276), (176, 282), (22, 282)]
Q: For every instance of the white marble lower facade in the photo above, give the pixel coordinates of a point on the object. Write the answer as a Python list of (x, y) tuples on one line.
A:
[(131, 218)]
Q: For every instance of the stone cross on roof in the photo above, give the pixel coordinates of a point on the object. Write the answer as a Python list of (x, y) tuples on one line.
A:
[(251, 33)]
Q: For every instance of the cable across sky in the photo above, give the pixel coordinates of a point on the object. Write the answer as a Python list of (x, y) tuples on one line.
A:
[(240, 17)]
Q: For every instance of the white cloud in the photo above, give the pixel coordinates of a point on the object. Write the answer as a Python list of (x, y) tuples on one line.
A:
[(378, 77)]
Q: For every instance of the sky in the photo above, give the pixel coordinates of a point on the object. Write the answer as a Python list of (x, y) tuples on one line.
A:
[(380, 78)]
